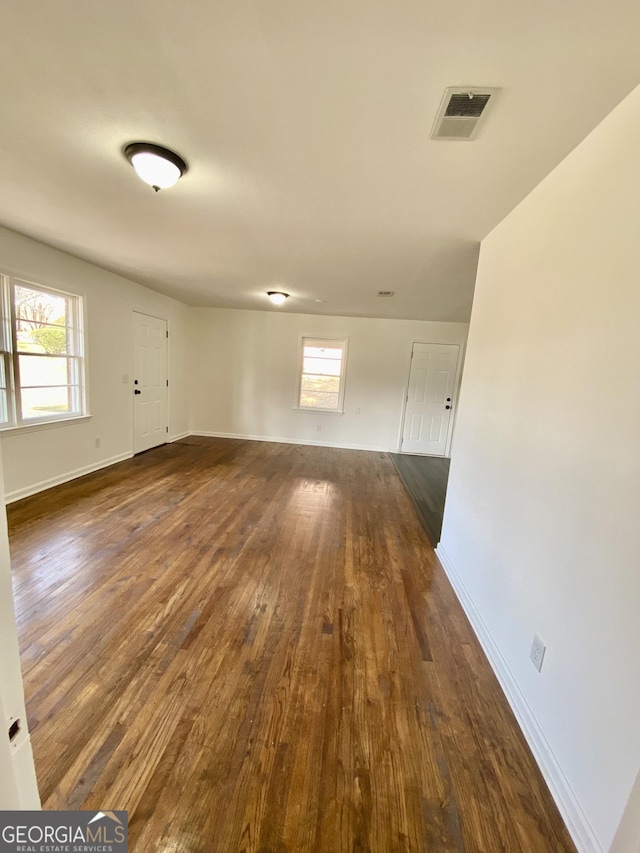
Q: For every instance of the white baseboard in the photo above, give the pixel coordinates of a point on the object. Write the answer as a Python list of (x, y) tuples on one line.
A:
[(572, 813), (34, 488), (302, 441), (179, 436)]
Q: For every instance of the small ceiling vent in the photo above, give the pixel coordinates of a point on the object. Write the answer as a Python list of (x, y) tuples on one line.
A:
[(462, 111), (386, 293)]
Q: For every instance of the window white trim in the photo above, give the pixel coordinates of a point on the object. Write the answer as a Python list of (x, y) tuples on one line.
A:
[(73, 419), (10, 355), (343, 344)]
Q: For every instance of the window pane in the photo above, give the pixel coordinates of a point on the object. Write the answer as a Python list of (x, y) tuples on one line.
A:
[(314, 351), (329, 366), (44, 331), (318, 400), (323, 352), (39, 307), (43, 370), (322, 374), (39, 402), (320, 383), (41, 337)]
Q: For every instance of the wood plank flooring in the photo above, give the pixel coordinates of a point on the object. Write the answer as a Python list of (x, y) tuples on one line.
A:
[(425, 478), (251, 647)]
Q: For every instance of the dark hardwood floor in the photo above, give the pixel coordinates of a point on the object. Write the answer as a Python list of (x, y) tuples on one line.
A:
[(252, 647), (425, 478)]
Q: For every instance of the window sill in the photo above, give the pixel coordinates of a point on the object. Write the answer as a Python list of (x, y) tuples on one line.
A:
[(36, 427), (317, 411)]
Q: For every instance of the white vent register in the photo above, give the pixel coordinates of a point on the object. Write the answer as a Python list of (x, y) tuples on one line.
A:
[(462, 112)]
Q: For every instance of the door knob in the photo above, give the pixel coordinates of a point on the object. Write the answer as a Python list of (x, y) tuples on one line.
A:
[(136, 391)]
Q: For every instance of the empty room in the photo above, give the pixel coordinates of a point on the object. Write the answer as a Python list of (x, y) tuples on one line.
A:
[(318, 537)]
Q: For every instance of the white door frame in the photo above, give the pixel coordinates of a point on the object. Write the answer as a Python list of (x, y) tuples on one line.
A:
[(456, 390), (18, 785)]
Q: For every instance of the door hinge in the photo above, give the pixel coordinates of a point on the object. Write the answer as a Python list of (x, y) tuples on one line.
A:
[(167, 383), (167, 429), (167, 333)]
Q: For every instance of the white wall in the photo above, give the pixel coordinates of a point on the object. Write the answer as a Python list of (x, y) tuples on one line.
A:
[(39, 457), (244, 375), (541, 524)]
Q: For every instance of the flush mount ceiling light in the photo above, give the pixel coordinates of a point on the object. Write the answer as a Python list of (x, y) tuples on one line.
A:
[(277, 296), (157, 166)]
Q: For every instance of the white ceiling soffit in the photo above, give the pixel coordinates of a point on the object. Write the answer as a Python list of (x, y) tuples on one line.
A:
[(463, 110)]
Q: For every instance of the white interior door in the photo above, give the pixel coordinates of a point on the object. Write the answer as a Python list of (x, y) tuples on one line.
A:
[(149, 382), (429, 405)]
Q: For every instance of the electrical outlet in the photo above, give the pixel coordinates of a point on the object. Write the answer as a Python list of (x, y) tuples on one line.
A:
[(538, 649), (125, 378), (98, 441), (357, 410), (319, 428)]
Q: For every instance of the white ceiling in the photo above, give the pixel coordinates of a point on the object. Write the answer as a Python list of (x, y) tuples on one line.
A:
[(306, 128)]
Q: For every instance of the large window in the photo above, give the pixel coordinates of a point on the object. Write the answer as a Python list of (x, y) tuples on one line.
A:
[(41, 364), (322, 373)]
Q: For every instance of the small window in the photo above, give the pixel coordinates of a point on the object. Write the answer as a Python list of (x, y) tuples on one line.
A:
[(41, 363), (322, 373)]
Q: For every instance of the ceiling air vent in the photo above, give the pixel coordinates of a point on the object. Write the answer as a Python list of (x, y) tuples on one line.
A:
[(386, 293), (462, 111)]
